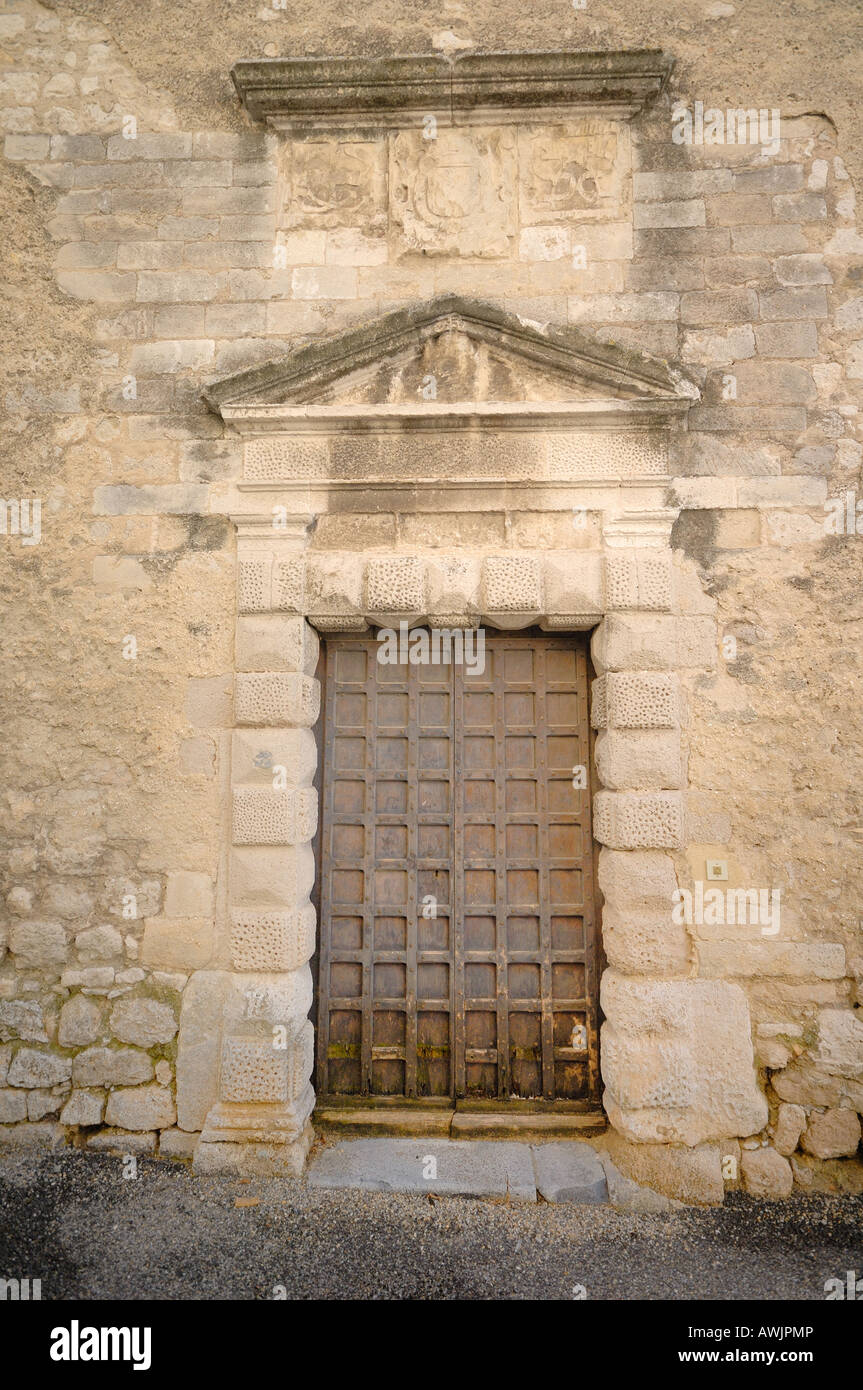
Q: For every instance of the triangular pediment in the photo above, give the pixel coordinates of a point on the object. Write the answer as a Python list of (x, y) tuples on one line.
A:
[(452, 351)]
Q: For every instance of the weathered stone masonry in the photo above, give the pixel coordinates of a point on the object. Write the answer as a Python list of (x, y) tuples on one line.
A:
[(588, 477)]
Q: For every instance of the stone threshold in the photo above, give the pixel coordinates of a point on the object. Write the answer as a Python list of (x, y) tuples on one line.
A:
[(570, 1171), (394, 1121)]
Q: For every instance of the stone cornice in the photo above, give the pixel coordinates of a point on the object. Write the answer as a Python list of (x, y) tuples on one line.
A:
[(303, 95), (615, 371), (468, 415)]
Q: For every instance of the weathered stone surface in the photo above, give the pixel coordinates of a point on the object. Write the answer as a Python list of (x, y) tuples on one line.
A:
[(13, 1106), (42, 1134), (111, 1066), (122, 1142), (21, 1019), (253, 1159), (199, 1048), (461, 1167), (677, 1060), (626, 1195), (98, 944), (766, 1173), (42, 1103), (83, 1108), (833, 1134), (141, 1108), (189, 894), (790, 1124), (176, 1143), (41, 945), (34, 1068), (80, 1022), (143, 1022), (683, 1173), (178, 943), (803, 1085), (569, 1172), (840, 1043)]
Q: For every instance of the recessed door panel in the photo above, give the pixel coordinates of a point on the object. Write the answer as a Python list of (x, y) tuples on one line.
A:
[(457, 933)]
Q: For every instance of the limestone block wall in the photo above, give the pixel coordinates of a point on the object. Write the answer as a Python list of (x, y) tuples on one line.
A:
[(139, 825)]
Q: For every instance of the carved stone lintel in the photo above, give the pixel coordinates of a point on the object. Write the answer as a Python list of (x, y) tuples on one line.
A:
[(303, 95)]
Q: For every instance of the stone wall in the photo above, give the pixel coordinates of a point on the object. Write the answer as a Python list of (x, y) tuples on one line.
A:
[(144, 269)]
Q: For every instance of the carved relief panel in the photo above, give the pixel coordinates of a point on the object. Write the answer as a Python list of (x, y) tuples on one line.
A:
[(577, 172), (453, 195), (462, 193), (334, 183)]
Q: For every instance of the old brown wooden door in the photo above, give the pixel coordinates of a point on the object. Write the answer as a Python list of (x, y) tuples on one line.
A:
[(457, 924)]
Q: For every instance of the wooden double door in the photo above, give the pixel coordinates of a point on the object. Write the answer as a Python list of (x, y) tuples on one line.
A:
[(457, 950)]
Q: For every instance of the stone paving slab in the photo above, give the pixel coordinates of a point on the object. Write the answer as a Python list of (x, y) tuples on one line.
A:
[(460, 1168), (569, 1172)]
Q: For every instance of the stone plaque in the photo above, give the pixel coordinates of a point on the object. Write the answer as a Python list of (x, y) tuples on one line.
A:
[(454, 195), (334, 183), (578, 172)]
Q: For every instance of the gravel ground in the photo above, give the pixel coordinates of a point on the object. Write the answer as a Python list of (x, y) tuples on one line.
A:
[(72, 1220)]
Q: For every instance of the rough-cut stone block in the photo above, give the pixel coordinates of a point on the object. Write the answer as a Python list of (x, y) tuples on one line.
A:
[(21, 1019), (189, 894), (111, 1066), (256, 1003), (633, 820), (254, 1070), (276, 643), (334, 587), (677, 1060), (143, 1022), (833, 1134), (178, 943), (176, 1143), (122, 1141), (639, 759), (38, 945), (681, 1173), (83, 1108), (274, 697), (790, 1124), (30, 1067), (803, 1085), (635, 580), (395, 586), (635, 700), (511, 584), (653, 642), (766, 1173), (97, 944), (813, 960), (199, 1047), (13, 1107), (272, 940), (80, 1022), (272, 879), (642, 942), (266, 817), (273, 757), (840, 1042), (141, 1108)]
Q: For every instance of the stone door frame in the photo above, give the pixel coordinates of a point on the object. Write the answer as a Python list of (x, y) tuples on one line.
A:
[(602, 461), (623, 591)]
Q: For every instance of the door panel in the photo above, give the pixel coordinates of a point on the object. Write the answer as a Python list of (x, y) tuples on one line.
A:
[(457, 925)]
